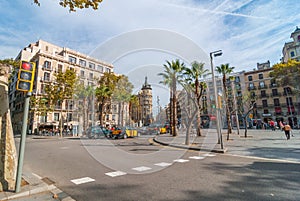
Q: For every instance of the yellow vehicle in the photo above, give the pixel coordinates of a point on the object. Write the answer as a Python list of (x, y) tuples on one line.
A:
[(124, 133), (163, 130)]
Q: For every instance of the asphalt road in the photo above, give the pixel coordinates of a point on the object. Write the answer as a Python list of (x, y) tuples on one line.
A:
[(134, 169)]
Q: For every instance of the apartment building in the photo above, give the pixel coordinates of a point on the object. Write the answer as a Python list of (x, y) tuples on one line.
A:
[(273, 101), (145, 101), (50, 59), (291, 50)]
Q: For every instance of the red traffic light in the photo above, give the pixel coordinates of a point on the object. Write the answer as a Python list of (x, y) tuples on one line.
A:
[(26, 66)]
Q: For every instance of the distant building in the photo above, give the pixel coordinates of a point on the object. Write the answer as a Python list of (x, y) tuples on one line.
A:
[(291, 50), (145, 101), (50, 59)]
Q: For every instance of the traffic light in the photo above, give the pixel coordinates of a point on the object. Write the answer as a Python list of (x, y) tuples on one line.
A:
[(26, 76)]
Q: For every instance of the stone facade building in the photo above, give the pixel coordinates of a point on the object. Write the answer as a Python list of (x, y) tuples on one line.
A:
[(50, 59)]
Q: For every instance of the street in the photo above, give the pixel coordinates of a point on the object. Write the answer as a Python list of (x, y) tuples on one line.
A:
[(136, 169)]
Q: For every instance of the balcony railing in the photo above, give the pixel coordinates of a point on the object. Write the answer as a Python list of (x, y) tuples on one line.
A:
[(251, 88), (262, 87), (276, 94)]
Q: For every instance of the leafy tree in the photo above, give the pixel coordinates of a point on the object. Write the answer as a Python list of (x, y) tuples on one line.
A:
[(104, 92), (122, 94), (287, 74), (73, 4), (249, 103), (61, 89), (225, 70), (192, 77), (171, 75)]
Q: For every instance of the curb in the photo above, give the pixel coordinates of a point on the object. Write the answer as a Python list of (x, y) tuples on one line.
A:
[(35, 186), (190, 148)]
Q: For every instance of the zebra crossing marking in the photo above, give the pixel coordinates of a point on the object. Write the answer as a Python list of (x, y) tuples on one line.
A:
[(115, 174), (82, 180), (197, 157), (181, 160), (163, 164), (142, 168)]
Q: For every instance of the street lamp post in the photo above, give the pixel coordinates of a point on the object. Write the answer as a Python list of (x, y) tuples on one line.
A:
[(216, 54)]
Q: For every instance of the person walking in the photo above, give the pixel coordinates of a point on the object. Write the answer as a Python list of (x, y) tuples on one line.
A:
[(287, 130)]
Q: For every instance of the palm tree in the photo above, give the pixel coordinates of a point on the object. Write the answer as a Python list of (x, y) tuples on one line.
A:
[(172, 74), (224, 69), (193, 76)]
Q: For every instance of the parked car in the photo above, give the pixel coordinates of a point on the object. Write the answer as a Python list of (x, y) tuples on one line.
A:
[(95, 132), (124, 133)]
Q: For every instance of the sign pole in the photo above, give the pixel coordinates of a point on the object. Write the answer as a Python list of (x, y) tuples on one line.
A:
[(22, 143)]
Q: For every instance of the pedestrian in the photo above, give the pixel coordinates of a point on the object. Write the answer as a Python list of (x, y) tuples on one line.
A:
[(287, 130), (272, 125)]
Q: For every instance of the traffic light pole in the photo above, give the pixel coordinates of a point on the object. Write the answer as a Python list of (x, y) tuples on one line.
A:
[(22, 143)]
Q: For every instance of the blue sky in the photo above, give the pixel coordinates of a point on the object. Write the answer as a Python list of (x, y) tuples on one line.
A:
[(248, 31)]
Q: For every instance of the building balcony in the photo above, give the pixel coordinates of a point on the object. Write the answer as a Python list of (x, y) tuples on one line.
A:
[(276, 94), (273, 85), (262, 87), (251, 88), (46, 68), (264, 96)]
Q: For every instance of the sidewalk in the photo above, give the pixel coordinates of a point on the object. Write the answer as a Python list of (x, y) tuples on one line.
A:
[(259, 143)]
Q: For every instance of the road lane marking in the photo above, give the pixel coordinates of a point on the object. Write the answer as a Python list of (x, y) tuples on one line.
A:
[(209, 155), (181, 160), (115, 174), (82, 180), (197, 157), (163, 164), (142, 168)]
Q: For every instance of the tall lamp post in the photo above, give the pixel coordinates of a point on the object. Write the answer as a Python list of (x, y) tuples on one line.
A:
[(212, 55)]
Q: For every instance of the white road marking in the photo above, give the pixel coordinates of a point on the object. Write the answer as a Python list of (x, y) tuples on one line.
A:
[(210, 155), (82, 180), (197, 157), (163, 164), (142, 168), (115, 174), (181, 160)]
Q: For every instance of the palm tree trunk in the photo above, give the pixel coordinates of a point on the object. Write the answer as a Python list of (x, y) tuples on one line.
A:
[(174, 106)]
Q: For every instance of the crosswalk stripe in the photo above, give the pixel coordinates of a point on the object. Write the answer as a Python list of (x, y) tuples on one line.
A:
[(115, 174), (181, 160), (82, 180), (142, 168), (197, 157), (163, 164)]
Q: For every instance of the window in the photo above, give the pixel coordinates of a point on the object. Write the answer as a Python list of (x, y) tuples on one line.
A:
[(274, 92), (46, 76), (91, 75), (42, 89), (251, 85), (262, 84), (82, 73), (265, 103), (91, 65), (59, 68), (72, 59), (46, 48), (260, 76), (82, 62), (237, 79), (287, 90), (266, 111), (292, 53), (263, 93), (273, 83), (289, 101), (56, 116), (250, 78), (47, 65), (108, 70), (276, 102), (100, 68)]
